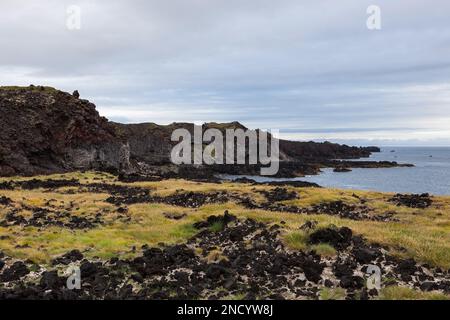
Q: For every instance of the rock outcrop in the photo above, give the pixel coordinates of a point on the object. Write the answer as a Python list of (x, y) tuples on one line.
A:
[(45, 130)]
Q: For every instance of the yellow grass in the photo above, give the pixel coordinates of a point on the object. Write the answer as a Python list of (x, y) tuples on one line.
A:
[(425, 234), (403, 293)]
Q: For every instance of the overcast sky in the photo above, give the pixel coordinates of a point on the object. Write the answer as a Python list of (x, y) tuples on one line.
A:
[(309, 68)]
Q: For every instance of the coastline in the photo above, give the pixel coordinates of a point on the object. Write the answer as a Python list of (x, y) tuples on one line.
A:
[(430, 173)]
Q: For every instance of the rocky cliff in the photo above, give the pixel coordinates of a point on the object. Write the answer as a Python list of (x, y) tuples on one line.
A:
[(45, 130)]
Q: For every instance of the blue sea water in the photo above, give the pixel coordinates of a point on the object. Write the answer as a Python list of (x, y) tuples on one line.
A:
[(431, 172)]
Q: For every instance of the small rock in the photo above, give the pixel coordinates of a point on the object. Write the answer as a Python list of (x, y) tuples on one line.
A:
[(365, 255), (76, 94), (14, 272), (50, 280), (352, 282), (407, 267), (309, 225), (428, 286), (338, 238)]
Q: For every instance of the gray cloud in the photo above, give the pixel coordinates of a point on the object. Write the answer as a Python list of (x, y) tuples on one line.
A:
[(309, 67)]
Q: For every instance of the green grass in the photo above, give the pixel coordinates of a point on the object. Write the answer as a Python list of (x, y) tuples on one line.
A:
[(232, 297), (429, 243), (34, 88), (332, 294), (296, 240), (403, 293), (217, 226), (324, 250)]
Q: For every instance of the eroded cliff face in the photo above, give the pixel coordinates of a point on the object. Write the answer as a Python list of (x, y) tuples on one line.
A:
[(44, 130), (151, 143)]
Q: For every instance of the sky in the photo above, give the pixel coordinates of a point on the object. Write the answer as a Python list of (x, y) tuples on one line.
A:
[(311, 69)]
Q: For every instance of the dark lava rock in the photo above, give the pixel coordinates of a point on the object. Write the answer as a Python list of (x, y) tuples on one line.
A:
[(244, 180), (365, 255), (6, 185), (279, 194), (82, 223), (5, 201), (344, 269), (14, 272), (429, 286), (342, 169), (341, 209), (137, 277), (42, 217), (333, 208), (215, 271), (352, 282), (174, 215), (364, 294), (130, 195), (253, 262), (373, 292), (126, 195), (72, 256), (135, 177), (309, 225), (51, 280), (338, 238), (88, 268), (179, 254), (48, 184), (76, 94), (407, 267), (2, 264), (46, 131), (224, 220), (328, 283), (420, 201), (122, 210), (312, 270), (193, 199)]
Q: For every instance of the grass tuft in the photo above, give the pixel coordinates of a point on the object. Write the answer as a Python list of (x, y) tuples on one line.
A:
[(324, 249), (217, 226), (404, 293), (296, 240), (332, 294)]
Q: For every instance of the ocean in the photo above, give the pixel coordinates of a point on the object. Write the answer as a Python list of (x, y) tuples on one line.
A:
[(431, 173)]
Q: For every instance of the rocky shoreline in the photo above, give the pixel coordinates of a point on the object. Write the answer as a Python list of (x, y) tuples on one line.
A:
[(118, 193), (47, 131)]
